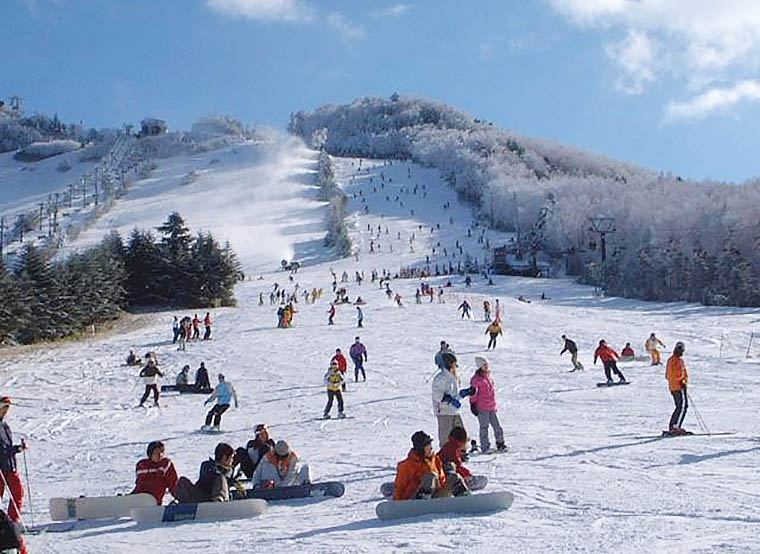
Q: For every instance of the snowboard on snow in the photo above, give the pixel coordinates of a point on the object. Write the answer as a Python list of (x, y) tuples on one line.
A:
[(613, 384), (668, 434), (472, 504), (313, 490), (478, 482), (98, 507), (210, 431), (185, 389), (235, 509)]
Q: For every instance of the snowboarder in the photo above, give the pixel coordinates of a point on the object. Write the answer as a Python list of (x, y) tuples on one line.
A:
[(571, 347), (223, 394), (10, 476), (340, 359), (254, 451), (331, 316), (484, 406), (281, 467), (150, 374), (359, 315), (608, 357), (358, 355), (677, 380), (446, 394), (207, 324), (214, 481), (494, 330), (651, 346), (452, 452), (465, 307), (202, 383), (422, 475), (334, 379), (155, 474), (627, 352)]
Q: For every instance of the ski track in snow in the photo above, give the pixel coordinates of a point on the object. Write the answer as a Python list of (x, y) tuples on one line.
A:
[(582, 482)]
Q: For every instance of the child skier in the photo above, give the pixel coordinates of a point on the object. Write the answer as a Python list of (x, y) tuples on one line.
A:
[(340, 359), (465, 307), (334, 379), (223, 394)]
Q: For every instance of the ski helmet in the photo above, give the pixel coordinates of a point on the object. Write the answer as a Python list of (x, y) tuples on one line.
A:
[(419, 440)]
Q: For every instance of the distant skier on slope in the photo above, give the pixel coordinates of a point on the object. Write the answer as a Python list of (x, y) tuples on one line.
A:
[(202, 382), (608, 357), (333, 380), (678, 377), (571, 347), (224, 393), (487, 311), (150, 374), (331, 314), (494, 330), (652, 344), (465, 308), (627, 353), (358, 354)]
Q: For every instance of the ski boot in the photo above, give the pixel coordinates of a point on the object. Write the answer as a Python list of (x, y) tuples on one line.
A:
[(341, 415), (501, 447), (326, 416)]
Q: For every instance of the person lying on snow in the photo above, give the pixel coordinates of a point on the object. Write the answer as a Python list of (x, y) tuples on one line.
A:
[(281, 467), (423, 474), (214, 480), (255, 450)]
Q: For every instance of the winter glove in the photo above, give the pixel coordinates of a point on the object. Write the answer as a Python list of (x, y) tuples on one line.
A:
[(466, 392), (451, 400), (474, 409)]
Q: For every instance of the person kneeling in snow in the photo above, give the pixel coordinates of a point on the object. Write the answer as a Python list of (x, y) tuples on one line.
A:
[(280, 468), (423, 475), (155, 474), (214, 481)]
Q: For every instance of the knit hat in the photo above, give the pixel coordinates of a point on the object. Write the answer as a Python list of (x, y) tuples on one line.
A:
[(419, 440), (281, 449), (480, 361), (448, 359)]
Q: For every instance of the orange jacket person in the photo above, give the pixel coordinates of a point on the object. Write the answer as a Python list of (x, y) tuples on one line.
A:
[(421, 475), (608, 357), (677, 379)]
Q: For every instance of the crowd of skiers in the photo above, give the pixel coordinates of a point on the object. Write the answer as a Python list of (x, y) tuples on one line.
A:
[(189, 329)]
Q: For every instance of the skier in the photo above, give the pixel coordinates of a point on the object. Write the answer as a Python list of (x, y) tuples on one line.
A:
[(333, 379), (281, 467), (487, 311), (494, 330), (608, 357), (331, 312), (467, 280), (677, 380), (571, 347), (155, 474), (465, 307), (175, 329), (651, 346), (10, 476), (254, 451), (358, 355), (207, 324), (484, 406), (359, 315), (340, 359), (150, 374), (627, 352), (452, 452), (439, 355), (214, 481), (202, 383), (223, 394), (184, 333), (422, 475), (446, 394), (196, 327)]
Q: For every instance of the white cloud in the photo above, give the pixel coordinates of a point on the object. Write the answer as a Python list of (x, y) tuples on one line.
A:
[(271, 10), (637, 57), (345, 27), (713, 100), (396, 10)]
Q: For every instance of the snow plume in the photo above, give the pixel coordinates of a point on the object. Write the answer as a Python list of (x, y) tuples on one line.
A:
[(713, 100), (267, 10)]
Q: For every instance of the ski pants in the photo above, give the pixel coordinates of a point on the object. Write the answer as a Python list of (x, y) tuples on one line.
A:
[(359, 323), (176, 335), (16, 489), (146, 394), (682, 404), (330, 320), (445, 424), (485, 419), (430, 484), (215, 413), (359, 366), (574, 359), (610, 365), (334, 394), (466, 313), (196, 332), (655, 354), (492, 342), (207, 334)]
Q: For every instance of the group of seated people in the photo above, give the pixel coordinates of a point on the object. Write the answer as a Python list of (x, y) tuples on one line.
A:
[(263, 462), (201, 384)]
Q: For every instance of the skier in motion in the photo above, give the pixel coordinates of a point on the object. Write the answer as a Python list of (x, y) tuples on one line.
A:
[(465, 307), (652, 344), (571, 347), (677, 378), (223, 394), (494, 330), (608, 357)]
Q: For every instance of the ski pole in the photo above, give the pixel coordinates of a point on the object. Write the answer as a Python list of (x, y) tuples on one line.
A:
[(28, 483), (13, 501), (700, 420)]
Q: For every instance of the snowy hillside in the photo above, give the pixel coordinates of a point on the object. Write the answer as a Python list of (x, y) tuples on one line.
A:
[(583, 480)]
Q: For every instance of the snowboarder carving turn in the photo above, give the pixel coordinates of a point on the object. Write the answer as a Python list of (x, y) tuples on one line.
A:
[(224, 393), (677, 377), (651, 346), (608, 357), (571, 347)]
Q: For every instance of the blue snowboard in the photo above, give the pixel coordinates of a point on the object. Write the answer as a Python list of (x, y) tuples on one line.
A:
[(329, 488)]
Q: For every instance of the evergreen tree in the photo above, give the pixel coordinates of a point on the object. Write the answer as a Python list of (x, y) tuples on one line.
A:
[(42, 295), (141, 260), (14, 314)]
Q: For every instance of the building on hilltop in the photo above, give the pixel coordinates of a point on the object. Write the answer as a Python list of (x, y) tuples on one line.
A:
[(151, 127)]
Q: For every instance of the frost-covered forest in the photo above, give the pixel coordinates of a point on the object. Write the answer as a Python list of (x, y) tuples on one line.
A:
[(675, 239)]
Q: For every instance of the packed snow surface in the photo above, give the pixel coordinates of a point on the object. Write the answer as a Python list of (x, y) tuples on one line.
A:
[(584, 479)]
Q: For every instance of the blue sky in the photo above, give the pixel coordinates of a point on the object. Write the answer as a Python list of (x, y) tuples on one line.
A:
[(668, 84)]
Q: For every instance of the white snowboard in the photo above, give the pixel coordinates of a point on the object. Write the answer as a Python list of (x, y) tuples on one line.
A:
[(98, 507), (236, 509), (478, 482), (476, 503)]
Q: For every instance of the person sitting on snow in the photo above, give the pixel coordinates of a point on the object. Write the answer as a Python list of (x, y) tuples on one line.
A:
[(132, 359), (627, 353), (255, 451), (155, 474), (451, 452), (280, 467), (214, 480)]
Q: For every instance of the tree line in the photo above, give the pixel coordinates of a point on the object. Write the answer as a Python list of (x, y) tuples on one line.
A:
[(41, 299)]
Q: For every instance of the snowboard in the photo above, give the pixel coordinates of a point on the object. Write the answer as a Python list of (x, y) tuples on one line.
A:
[(210, 431), (328, 488), (184, 389), (613, 384), (235, 509), (98, 507), (478, 482), (472, 504)]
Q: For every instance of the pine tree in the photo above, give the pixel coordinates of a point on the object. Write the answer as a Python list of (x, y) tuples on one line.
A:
[(14, 314), (41, 293)]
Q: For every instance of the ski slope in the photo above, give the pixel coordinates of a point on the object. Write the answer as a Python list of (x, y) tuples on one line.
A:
[(582, 481)]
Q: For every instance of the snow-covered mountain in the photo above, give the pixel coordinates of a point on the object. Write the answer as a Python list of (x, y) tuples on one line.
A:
[(583, 480)]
